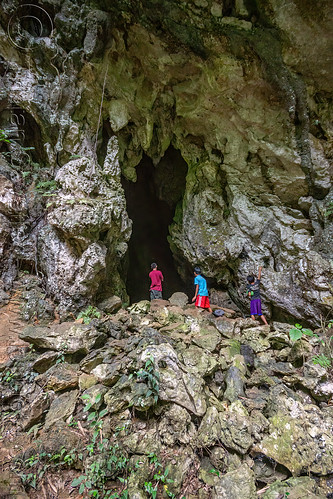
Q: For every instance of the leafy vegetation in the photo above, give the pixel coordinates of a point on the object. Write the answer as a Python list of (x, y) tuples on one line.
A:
[(322, 360), (88, 314), (298, 331), (151, 377), (324, 357), (47, 187)]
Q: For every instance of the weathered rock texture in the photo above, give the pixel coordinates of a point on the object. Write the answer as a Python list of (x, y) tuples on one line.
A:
[(166, 385), (241, 89)]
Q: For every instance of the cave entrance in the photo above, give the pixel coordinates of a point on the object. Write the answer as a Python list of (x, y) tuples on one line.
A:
[(151, 203)]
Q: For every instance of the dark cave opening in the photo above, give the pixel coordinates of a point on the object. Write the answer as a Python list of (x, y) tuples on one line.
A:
[(151, 203)]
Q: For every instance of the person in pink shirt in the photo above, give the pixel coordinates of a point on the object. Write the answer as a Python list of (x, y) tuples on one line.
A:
[(156, 278)]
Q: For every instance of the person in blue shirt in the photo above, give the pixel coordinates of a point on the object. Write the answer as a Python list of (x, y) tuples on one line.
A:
[(201, 292)]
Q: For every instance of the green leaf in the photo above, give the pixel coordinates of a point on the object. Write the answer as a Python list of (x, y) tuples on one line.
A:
[(103, 412), (308, 332), (82, 487), (298, 326), (77, 481), (295, 334)]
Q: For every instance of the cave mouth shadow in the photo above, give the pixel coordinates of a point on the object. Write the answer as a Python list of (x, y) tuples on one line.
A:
[(151, 203)]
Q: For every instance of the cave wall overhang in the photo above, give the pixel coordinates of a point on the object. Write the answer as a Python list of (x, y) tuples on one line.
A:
[(241, 95)]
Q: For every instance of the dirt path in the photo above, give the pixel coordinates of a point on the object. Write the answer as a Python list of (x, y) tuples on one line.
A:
[(10, 327)]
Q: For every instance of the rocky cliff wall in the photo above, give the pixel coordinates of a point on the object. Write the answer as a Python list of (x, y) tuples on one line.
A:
[(241, 89)]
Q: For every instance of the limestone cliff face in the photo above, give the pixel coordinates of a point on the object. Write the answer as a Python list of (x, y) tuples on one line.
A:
[(241, 89)]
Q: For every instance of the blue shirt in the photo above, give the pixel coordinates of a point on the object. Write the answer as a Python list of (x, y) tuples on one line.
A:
[(202, 291)]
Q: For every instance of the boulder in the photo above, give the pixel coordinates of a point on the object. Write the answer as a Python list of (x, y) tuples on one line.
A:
[(176, 426), (177, 384), (207, 338), (59, 377), (61, 408), (66, 337), (142, 307), (235, 426), (178, 299), (294, 488), (237, 484), (110, 305), (234, 385), (199, 361), (299, 437)]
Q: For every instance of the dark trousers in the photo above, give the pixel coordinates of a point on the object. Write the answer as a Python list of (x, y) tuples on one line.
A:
[(154, 294)]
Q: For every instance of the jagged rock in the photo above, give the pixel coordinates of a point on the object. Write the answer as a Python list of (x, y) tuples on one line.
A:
[(224, 460), (248, 355), (235, 428), (142, 307), (110, 305), (230, 348), (61, 408), (292, 443), (45, 361), (37, 404), (179, 469), (296, 488), (299, 351), (143, 441), (256, 398), (209, 429), (4, 298), (96, 395), (86, 381), (207, 339), (225, 327), (199, 361), (234, 385), (206, 473), (279, 339), (66, 337), (237, 484), (248, 200), (267, 470), (59, 377), (36, 306), (176, 426), (256, 338), (11, 202), (108, 374), (176, 383), (178, 299)]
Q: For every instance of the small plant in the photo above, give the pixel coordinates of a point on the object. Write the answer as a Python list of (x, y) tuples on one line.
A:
[(7, 376), (297, 332), (160, 478), (214, 472), (88, 314), (329, 209), (47, 187), (62, 353), (322, 360), (151, 377), (152, 491)]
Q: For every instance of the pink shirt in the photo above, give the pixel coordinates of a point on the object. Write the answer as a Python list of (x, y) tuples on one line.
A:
[(156, 277)]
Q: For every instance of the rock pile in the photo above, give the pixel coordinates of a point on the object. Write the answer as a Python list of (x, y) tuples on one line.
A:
[(190, 405)]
